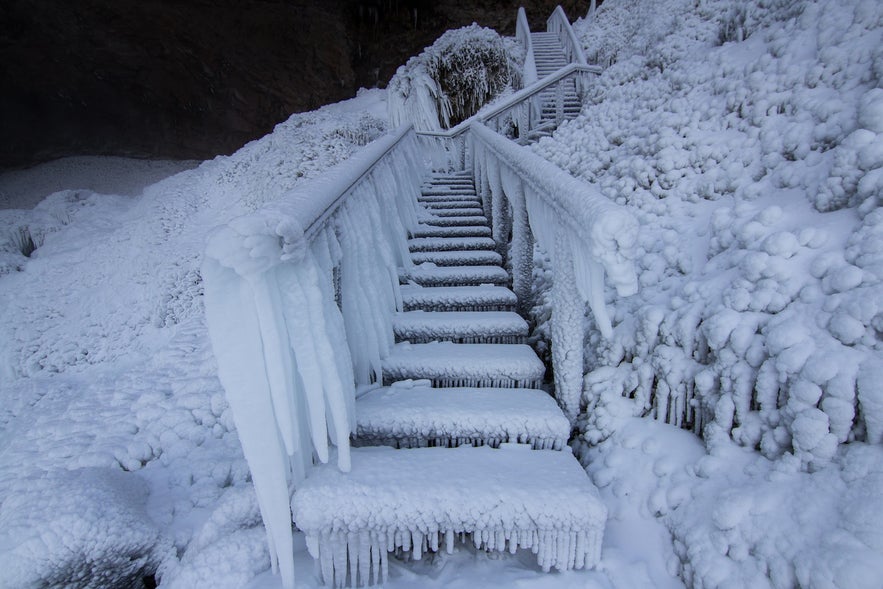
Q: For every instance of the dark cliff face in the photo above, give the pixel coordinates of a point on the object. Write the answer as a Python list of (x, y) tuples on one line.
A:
[(197, 78)]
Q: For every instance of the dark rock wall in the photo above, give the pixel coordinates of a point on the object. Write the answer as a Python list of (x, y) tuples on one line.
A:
[(197, 78)]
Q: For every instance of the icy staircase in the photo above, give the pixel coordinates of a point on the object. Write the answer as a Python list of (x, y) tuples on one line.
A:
[(550, 57), (460, 444)]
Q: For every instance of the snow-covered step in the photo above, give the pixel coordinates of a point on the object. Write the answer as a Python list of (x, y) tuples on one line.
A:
[(444, 244), (456, 212), (465, 365), (465, 327), (425, 499), (445, 191), (458, 298), (432, 206), (454, 221), (458, 258), (411, 414), (434, 198), (431, 275), (464, 231)]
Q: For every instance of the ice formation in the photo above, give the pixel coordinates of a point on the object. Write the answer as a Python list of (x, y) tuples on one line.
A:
[(288, 356), (353, 521)]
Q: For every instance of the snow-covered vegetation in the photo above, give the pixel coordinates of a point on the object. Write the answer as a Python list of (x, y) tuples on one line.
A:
[(453, 78), (746, 138), (107, 371)]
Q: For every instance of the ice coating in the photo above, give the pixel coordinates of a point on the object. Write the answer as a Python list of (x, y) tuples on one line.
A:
[(288, 357)]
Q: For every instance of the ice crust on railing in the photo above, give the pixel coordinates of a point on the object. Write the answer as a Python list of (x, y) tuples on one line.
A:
[(600, 234), (420, 500), (288, 357)]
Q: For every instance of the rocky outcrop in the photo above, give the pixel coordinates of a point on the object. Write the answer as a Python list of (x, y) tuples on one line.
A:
[(197, 78)]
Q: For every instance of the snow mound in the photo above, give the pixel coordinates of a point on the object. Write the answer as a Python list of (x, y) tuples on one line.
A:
[(82, 528)]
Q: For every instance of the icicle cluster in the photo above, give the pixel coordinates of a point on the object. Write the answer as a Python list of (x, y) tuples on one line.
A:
[(286, 352)]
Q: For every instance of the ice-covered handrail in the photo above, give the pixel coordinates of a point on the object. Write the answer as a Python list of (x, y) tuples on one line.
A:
[(607, 231), (559, 24), (586, 235), (522, 34), (299, 300)]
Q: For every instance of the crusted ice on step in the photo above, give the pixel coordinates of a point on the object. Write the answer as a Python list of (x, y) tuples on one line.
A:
[(458, 298), (458, 258), (429, 274), (411, 415), (435, 221), (462, 327), (465, 365), (465, 231), (423, 499), (429, 244), (455, 211)]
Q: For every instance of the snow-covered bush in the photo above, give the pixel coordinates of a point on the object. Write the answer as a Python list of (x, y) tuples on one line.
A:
[(754, 170), (763, 322), (453, 78)]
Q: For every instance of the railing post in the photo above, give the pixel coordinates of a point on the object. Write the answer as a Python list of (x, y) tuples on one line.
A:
[(567, 330), (559, 102), (521, 248), (501, 222)]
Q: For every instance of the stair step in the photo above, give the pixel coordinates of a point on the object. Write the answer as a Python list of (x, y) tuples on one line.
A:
[(472, 220), (456, 212), (414, 415), (470, 365), (458, 298), (452, 204), (465, 327), (431, 198), (428, 274), (458, 258), (424, 498), (449, 244), (442, 191), (464, 231), (431, 275)]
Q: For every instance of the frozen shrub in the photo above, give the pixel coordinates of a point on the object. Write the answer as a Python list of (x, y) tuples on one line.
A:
[(452, 79)]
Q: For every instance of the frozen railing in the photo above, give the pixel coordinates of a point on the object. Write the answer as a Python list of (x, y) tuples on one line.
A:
[(559, 24), (588, 237), (522, 34), (299, 299)]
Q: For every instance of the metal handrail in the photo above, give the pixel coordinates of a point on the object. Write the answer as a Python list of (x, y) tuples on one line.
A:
[(559, 24), (522, 33)]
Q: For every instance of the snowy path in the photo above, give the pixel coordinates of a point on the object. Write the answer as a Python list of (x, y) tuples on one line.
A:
[(457, 331)]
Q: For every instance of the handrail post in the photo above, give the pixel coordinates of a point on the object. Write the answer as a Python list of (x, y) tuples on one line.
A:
[(567, 331)]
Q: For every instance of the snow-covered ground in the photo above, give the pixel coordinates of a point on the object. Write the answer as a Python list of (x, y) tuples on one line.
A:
[(745, 136)]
